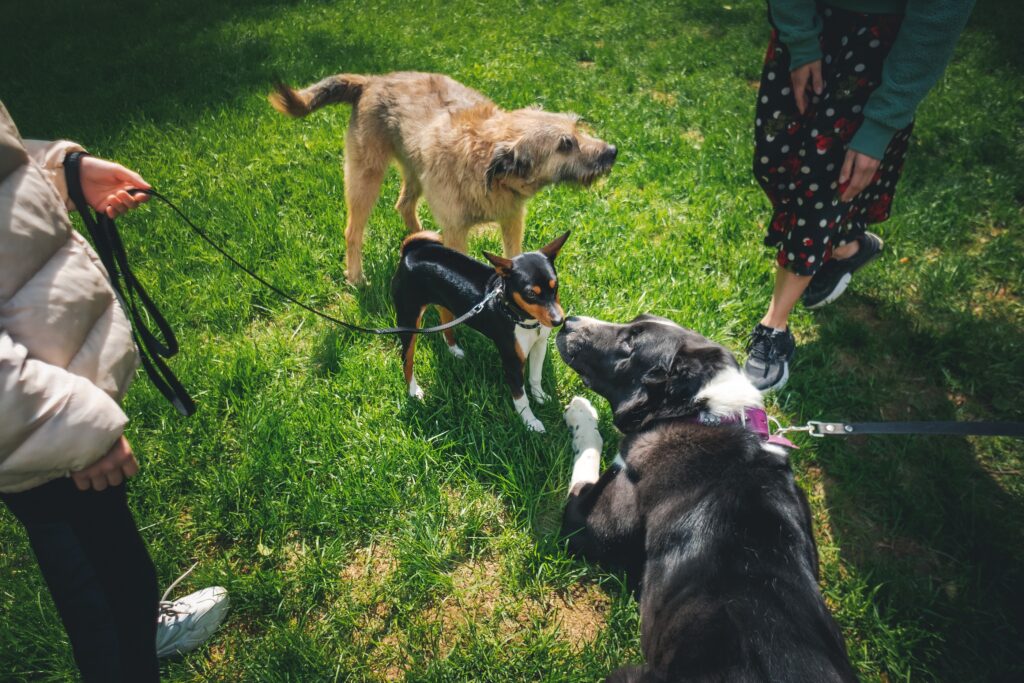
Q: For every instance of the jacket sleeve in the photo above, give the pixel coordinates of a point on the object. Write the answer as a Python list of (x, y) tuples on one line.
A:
[(923, 48), (53, 421), (50, 157), (799, 26)]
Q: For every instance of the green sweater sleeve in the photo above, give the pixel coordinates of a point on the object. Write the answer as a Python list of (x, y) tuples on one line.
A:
[(799, 27), (913, 66)]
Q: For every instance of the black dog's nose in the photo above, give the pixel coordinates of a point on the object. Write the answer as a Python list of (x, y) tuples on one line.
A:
[(608, 156)]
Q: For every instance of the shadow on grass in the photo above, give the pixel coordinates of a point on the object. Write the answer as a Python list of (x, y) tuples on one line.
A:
[(164, 62), (926, 518)]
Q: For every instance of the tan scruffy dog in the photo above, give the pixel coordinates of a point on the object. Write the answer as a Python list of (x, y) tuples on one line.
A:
[(472, 161)]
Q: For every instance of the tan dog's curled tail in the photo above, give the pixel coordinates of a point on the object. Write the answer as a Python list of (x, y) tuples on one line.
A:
[(345, 88)]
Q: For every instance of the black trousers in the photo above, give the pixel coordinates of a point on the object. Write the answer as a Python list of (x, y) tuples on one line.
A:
[(99, 574)]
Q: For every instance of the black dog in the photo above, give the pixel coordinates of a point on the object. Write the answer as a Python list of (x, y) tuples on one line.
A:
[(518, 320), (700, 509)]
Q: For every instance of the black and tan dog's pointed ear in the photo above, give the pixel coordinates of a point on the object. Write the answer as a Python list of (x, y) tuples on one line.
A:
[(501, 264), (551, 250)]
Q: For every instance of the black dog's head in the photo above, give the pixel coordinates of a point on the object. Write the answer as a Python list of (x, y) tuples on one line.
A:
[(649, 368), (531, 282)]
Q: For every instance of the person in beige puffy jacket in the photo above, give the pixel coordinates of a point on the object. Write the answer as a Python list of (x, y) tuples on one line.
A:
[(66, 360)]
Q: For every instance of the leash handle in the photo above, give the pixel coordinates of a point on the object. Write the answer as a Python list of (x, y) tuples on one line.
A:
[(474, 311), (131, 294)]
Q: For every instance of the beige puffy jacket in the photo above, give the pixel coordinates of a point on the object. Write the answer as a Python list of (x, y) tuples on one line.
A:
[(66, 350)]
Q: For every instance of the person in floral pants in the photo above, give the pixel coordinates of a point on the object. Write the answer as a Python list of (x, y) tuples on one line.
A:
[(835, 111)]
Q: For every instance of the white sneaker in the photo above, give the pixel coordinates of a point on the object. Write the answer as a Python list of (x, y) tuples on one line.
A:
[(186, 623)]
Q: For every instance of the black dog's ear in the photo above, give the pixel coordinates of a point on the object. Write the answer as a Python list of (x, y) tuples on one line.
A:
[(501, 264), (631, 413), (506, 161), (648, 398), (667, 392), (551, 250)]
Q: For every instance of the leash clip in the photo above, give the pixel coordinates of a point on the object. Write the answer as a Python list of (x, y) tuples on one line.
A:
[(822, 429)]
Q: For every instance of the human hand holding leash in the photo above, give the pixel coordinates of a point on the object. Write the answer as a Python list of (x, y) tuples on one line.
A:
[(106, 184), (801, 77), (859, 171), (113, 468)]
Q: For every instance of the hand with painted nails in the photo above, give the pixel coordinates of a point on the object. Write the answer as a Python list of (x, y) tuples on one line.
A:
[(804, 77), (113, 468), (106, 184), (859, 171)]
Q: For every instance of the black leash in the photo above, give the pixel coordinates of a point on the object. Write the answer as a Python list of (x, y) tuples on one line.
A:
[(134, 300), (154, 348), (494, 290), (819, 429)]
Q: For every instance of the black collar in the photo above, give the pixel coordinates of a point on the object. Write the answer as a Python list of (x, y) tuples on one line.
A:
[(508, 308)]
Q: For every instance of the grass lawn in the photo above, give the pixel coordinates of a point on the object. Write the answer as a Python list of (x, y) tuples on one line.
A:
[(364, 536)]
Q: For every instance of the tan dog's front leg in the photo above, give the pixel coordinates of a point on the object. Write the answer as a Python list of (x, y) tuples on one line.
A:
[(456, 238), (362, 185), (407, 200), (512, 234)]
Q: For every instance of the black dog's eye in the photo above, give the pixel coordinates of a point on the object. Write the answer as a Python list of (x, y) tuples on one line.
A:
[(565, 144)]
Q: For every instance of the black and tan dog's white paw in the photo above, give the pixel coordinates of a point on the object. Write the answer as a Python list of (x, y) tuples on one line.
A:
[(539, 395)]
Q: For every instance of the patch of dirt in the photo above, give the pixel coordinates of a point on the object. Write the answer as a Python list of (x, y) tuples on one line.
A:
[(693, 137), (576, 616), (585, 62), (370, 566), (663, 97), (579, 615)]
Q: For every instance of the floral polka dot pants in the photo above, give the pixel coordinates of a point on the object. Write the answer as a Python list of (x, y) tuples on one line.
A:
[(797, 158)]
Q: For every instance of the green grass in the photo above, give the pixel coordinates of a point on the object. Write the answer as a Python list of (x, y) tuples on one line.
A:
[(364, 536)]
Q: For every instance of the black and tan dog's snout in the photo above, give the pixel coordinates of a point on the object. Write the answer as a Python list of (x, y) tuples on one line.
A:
[(556, 316)]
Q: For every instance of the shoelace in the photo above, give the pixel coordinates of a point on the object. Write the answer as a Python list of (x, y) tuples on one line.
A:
[(166, 606), (762, 347)]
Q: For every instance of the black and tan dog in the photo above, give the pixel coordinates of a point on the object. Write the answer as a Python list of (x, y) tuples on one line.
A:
[(518, 319), (472, 161), (700, 509)]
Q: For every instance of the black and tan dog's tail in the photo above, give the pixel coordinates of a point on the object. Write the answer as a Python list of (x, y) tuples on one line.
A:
[(342, 88), (418, 239)]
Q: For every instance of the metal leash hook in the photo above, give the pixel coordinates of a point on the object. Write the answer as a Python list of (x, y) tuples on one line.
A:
[(822, 429)]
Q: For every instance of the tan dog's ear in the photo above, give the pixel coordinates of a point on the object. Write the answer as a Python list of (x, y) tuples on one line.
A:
[(551, 250), (506, 161), (501, 264)]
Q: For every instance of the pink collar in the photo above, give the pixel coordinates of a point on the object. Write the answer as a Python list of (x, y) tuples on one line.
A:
[(754, 419)]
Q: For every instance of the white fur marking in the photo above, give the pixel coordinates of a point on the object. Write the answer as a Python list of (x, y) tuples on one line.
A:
[(581, 418), (414, 389), (536, 361), (522, 405), (728, 393), (774, 448), (457, 351)]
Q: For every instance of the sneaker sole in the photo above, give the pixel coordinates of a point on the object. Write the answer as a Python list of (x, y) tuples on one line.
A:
[(779, 383), (836, 292), (844, 281)]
